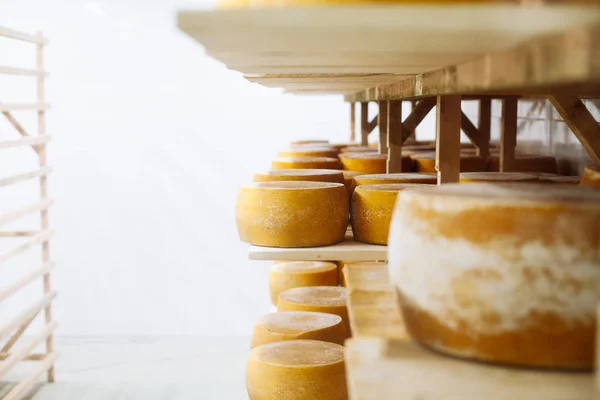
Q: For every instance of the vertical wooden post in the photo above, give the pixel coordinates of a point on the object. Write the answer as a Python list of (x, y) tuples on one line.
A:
[(508, 134), (447, 153), (382, 122), (394, 136), (352, 122), (485, 126), (413, 134), (44, 189), (364, 123)]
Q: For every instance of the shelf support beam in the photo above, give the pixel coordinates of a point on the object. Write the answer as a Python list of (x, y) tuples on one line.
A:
[(417, 115), (581, 121), (447, 153), (366, 126), (382, 119), (19, 128), (352, 122), (484, 126), (508, 134), (395, 135)]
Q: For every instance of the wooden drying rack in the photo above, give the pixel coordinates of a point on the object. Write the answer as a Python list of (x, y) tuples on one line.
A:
[(14, 350)]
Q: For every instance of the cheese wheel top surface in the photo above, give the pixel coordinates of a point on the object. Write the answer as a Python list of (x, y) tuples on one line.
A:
[(299, 353), (396, 178), (351, 174), (364, 156), (303, 267), (305, 159), (334, 174), (357, 149), (292, 322), (389, 187), (309, 141), (497, 176), (316, 295), (292, 185)]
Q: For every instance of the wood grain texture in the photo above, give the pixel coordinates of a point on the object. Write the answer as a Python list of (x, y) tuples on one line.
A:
[(508, 135), (395, 136), (382, 121), (484, 125), (447, 156)]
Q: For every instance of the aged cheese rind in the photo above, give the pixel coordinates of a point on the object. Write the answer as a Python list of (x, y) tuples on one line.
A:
[(306, 163), (493, 177), (311, 175), (425, 162), (290, 274), (377, 179)]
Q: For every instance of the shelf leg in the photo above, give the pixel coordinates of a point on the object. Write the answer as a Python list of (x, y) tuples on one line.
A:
[(485, 127), (382, 121), (508, 134), (364, 124), (447, 154), (352, 122), (394, 136)]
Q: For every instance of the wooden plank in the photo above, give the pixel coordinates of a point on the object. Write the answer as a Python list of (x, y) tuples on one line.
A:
[(25, 141), (13, 121), (26, 315), (418, 114), (20, 390), (5, 70), (15, 215), (26, 37), (581, 121), (364, 124), (382, 119), (471, 131), (395, 136), (484, 126), (23, 106), (21, 283), (508, 135), (19, 233), (31, 357), (25, 176), (447, 156), (352, 122), (40, 238), (26, 348)]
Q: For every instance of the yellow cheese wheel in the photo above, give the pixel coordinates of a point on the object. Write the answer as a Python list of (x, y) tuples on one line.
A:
[(563, 180), (292, 214), (506, 272), (371, 210), (297, 370), (312, 175), (327, 299), (294, 325), (341, 146), (425, 162), (526, 163), (344, 264), (404, 177), (357, 149), (314, 142), (306, 163), (369, 163), (304, 151), (495, 177), (291, 274), (591, 176)]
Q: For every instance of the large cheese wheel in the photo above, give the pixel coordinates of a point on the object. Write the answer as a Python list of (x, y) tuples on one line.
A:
[(403, 177), (297, 370), (361, 264), (293, 325), (306, 163), (591, 176), (357, 149), (312, 175), (425, 162), (506, 273), (526, 163), (291, 274), (371, 210), (305, 151), (292, 214), (369, 163), (495, 177), (327, 299)]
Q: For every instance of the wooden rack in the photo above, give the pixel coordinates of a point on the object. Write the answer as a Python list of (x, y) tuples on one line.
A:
[(16, 349)]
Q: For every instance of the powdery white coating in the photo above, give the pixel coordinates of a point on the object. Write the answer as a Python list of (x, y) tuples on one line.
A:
[(303, 267), (299, 353), (297, 322), (316, 296), (437, 273)]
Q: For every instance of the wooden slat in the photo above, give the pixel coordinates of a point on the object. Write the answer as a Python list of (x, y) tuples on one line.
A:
[(484, 126), (25, 176), (508, 135), (27, 347), (19, 233), (382, 119), (26, 37), (352, 122), (395, 136), (364, 124), (23, 106), (13, 121), (25, 141), (31, 357), (448, 139), (9, 291), (471, 131), (40, 238), (20, 390), (24, 316), (418, 114), (5, 70), (15, 215)]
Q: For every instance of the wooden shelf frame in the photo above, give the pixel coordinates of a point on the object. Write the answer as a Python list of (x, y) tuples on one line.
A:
[(15, 349)]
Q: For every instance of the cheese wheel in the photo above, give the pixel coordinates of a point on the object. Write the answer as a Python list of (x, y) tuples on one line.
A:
[(425, 162), (316, 142), (297, 370), (519, 265), (371, 211), (327, 299), (309, 152), (306, 163), (563, 180), (404, 177), (291, 274), (495, 177), (294, 325), (357, 149), (344, 264), (369, 163), (292, 214), (340, 146), (526, 163), (591, 176), (312, 175), (349, 180)]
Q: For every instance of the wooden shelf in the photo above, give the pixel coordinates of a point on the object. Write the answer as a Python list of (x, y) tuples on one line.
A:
[(345, 50), (347, 250), (383, 363)]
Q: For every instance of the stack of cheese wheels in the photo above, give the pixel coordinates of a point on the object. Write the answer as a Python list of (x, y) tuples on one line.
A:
[(591, 176), (562, 180), (371, 163), (291, 274), (371, 210), (297, 370), (360, 264), (311, 175), (306, 163), (402, 177), (292, 214), (496, 177), (327, 299), (526, 163), (425, 162), (306, 151), (520, 265), (293, 325)]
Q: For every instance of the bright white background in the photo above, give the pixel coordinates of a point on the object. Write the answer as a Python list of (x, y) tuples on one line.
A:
[(151, 140)]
